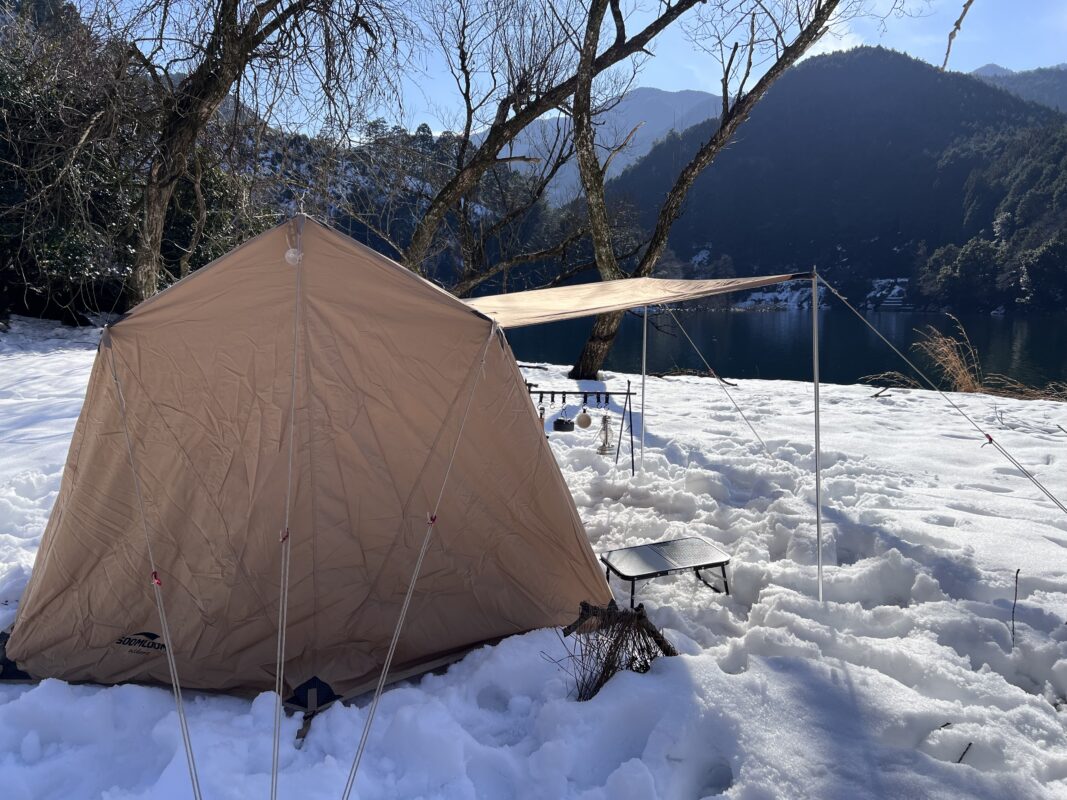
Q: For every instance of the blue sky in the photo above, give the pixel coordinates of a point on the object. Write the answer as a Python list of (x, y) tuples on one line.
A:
[(1017, 34)]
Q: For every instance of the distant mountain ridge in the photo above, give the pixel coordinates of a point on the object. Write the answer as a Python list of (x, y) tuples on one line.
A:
[(654, 113), (991, 71), (1047, 85)]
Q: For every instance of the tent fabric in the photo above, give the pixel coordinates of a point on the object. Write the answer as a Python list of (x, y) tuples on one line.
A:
[(538, 306), (385, 362)]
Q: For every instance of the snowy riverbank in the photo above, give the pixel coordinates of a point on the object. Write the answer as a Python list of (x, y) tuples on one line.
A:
[(775, 695)]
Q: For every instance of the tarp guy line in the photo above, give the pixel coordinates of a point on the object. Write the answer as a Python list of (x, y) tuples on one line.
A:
[(989, 439), (415, 574), (722, 383), (156, 583)]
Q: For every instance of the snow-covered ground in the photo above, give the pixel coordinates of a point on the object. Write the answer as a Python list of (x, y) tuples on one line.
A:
[(875, 694)]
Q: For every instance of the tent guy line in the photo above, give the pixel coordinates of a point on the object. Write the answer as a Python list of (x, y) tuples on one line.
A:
[(157, 584), (431, 521), (722, 383), (988, 437)]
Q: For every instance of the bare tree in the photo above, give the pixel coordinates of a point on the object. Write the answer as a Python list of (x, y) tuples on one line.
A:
[(502, 223), (527, 53), (269, 56), (70, 150), (502, 57), (753, 42)]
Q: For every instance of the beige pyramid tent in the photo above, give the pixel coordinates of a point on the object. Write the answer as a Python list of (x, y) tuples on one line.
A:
[(385, 364), (393, 397)]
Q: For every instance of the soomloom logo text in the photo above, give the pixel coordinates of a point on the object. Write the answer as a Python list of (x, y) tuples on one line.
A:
[(143, 642)]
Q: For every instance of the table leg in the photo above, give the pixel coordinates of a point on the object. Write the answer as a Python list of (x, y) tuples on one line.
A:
[(633, 583), (713, 587), (725, 583)]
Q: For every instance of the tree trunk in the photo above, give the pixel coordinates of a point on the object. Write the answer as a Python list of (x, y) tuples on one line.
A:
[(607, 325), (199, 97), (187, 113), (147, 264), (589, 169), (597, 346)]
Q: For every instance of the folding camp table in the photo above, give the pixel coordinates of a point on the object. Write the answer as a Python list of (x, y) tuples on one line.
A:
[(646, 561)]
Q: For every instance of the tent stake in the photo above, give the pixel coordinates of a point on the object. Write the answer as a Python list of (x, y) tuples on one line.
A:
[(644, 371), (815, 381)]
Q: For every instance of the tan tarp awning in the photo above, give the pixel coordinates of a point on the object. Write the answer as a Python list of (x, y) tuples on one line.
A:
[(567, 302), (385, 364)]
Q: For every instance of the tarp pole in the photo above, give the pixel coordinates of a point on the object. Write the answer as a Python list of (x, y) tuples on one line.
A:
[(815, 381), (644, 371)]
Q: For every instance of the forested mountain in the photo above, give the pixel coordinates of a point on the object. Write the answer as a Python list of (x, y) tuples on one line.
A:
[(1015, 202), (1047, 86), (865, 163)]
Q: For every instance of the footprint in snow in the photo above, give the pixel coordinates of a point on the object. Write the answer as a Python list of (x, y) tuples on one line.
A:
[(940, 519), (985, 487), (970, 509)]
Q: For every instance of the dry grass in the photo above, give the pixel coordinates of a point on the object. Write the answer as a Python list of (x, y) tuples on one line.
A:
[(953, 357), (955, 367)]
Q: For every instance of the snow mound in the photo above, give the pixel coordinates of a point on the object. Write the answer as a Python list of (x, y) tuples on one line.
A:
[(877, 692)]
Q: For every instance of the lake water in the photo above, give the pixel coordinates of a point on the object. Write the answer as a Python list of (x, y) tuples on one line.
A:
[(777, 344)]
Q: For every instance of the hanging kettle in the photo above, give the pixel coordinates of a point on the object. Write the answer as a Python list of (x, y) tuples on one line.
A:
[(561, 423)]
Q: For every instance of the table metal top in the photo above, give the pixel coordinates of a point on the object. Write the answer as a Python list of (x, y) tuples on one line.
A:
[(659, 558)]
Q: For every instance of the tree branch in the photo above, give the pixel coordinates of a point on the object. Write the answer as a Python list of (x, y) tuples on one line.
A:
[(504, 129), (955, 29), (728, 126)]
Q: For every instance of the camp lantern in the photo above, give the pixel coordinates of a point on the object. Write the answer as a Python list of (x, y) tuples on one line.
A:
[(605, 448)]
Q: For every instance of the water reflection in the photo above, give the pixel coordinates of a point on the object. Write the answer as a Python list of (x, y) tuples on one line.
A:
[(777, 344)]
